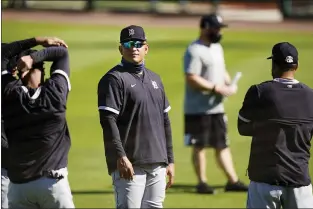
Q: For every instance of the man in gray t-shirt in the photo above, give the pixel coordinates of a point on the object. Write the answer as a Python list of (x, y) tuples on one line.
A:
[(207, 83)]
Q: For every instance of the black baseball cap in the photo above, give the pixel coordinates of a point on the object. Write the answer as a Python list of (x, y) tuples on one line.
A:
[(132, 32), (284, 53), (212, 21)]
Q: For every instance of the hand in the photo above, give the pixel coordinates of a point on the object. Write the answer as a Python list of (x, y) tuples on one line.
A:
[(51, 41), (170, 172), (225, 90), (125, 168), (24, 64)]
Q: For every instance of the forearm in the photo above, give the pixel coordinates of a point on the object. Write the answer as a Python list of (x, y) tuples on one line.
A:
[(58, 55), (227, 78), (169, 141), (11, 49), (199, 83), (111, 132)]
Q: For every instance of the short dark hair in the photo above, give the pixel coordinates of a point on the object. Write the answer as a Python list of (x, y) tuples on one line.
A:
[(285, 67)]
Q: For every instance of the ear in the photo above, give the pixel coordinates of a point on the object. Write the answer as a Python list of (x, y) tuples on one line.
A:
[(146, 49), (297, 67), (120, 49), (25, 74)]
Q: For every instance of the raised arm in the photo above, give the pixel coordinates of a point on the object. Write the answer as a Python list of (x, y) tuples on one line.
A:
[(8, 53), (60, 68), (8, 50), (58, 55)]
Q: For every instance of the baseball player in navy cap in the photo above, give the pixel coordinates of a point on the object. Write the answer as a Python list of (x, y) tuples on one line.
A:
[(207, 82), (34, 115), (10, 53), (278, 114), (133, 110)]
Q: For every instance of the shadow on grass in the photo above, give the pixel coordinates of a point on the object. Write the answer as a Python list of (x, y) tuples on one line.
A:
[(85, 192), (176, 188), (188, 188)]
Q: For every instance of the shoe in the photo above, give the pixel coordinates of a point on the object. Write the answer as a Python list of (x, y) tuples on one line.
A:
[(204, 188), (236, 187)]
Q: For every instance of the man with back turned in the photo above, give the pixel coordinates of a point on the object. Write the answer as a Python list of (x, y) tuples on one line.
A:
[(278, 114)]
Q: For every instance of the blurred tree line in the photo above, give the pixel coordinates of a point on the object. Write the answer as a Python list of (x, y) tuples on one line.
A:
[(288, 8)]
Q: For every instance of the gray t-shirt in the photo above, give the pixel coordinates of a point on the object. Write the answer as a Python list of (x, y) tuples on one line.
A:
[(209, 63)]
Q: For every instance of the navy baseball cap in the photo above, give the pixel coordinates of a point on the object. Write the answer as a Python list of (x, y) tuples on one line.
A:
[(284, 53), (212, 21), (132, 32)]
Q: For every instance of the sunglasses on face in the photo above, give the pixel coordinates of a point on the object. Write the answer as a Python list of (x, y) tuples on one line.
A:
[(135, 44)]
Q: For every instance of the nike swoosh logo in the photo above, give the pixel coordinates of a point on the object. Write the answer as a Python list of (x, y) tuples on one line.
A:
[(132, 85)]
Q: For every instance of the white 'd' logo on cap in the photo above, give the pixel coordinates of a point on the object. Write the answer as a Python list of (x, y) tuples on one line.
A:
[(131, 32), (289, 59), (219, 19)]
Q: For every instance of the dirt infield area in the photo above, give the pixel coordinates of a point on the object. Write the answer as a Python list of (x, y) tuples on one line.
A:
[(103, 18)]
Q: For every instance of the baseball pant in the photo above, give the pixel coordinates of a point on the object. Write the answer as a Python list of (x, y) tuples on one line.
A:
[(262, 195), (5, 181), (146, 190), (45, 192)]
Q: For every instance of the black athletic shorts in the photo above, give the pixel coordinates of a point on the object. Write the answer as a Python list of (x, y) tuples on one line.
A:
[(206, 131)]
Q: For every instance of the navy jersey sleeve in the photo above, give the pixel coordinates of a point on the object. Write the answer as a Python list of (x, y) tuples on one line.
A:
[(169, 140), (251, 103), (59, 80), (248, 116), (167, 127), (8, 51), (109, 105), (110, 94), (166, 106)]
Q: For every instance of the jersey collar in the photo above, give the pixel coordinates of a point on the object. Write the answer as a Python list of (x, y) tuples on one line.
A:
[(286, 81), (132, 68)]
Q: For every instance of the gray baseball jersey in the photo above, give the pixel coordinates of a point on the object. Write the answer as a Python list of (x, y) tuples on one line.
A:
[(207, 62)]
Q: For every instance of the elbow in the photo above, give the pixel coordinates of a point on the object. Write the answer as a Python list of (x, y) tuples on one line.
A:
[(190, 77), (60, 52), (242, 131), (191, 80), (245, 129), (64, 51), (106, 118), (105, 122), (167, 121)]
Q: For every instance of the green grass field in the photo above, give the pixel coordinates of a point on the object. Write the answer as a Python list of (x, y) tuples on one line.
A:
[(93, 51)]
